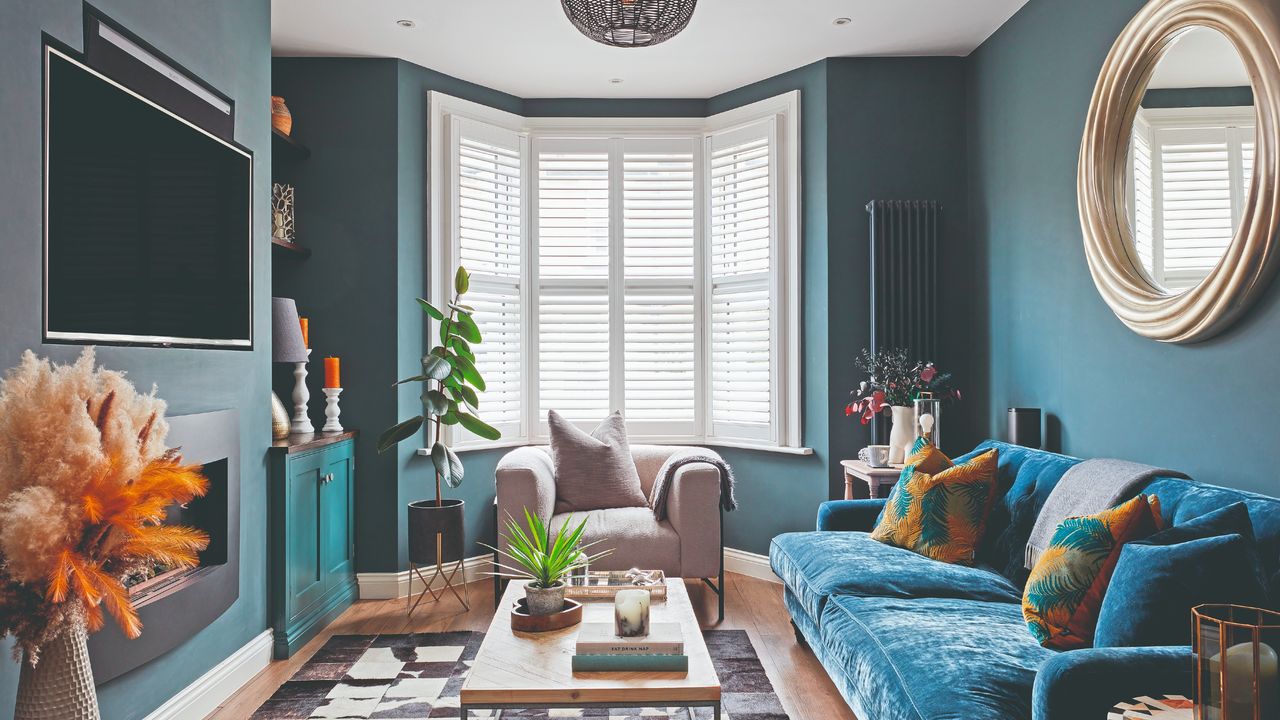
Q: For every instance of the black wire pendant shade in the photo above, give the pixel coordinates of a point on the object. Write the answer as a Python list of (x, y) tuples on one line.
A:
[(629, 23)]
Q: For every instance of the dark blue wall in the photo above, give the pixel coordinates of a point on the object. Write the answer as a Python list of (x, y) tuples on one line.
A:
[(1053, 343), (227, 44)]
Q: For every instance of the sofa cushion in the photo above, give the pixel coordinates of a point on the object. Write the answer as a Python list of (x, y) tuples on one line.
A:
[(815, 565), (931, 658), (1155, 586), (594, 471), (940, 514), (635, 536), (1066, 587)]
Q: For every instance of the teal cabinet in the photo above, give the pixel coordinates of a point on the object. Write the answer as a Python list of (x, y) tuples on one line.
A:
[(312, 564)]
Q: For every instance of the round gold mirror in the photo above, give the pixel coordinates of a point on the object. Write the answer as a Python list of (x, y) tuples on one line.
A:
[(1178, 169)]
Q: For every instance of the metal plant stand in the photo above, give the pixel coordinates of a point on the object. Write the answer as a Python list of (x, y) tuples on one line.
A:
[(441, 572)]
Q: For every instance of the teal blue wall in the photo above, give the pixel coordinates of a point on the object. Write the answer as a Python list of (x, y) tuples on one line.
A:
[(1053, 343), (1198, 97), (226, 43)]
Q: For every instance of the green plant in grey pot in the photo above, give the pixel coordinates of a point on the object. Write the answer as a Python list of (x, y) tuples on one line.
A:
[(543, 559), (451, 387)]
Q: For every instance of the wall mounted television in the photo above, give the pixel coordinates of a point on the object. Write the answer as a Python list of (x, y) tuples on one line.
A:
[(148, 220)]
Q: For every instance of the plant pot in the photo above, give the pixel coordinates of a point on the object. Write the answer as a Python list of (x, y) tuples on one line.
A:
[(902, 434), (544, 601), (60, 686), (433, 528)]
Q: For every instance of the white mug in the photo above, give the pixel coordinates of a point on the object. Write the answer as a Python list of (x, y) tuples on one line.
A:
[(876, 456)]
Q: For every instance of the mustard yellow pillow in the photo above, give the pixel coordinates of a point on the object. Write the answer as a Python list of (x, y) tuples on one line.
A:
[(939, 509), (1065, 589)]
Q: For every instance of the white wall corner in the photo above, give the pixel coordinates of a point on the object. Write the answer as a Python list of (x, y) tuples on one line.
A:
[(223, 680)]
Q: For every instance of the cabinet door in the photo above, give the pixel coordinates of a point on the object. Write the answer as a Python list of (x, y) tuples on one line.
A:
[(304, 568), (336, 520)]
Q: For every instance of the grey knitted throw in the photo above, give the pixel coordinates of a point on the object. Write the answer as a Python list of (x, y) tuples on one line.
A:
[(1087, 488), (667, 475)]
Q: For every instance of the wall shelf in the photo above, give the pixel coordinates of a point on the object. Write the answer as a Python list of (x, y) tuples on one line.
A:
[(292, 249), (286, 148)]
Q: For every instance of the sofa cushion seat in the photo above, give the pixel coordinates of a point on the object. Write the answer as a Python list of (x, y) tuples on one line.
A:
[(931, 658), (817, 565), (638, 538)]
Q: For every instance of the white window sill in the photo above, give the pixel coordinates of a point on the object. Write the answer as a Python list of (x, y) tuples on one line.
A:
[(638, 440)]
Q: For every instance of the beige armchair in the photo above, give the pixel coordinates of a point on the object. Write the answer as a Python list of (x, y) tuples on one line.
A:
[(688, 544)]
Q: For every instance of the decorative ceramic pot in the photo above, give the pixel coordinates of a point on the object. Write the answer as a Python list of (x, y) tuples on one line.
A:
[(60, 686), (544, 601), (281, 118), (436, 532), (902, 434)]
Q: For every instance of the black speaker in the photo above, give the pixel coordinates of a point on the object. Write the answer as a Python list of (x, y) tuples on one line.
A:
[(1024, 427)]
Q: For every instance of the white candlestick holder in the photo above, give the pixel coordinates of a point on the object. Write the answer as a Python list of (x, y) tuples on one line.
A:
[(301, 423), (331, 410)]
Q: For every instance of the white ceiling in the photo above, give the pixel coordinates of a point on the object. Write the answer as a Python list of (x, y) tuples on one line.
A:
[(1201, 57), (529, 49)]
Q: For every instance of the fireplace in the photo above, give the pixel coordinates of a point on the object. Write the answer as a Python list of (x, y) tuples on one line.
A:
[(176, 604)]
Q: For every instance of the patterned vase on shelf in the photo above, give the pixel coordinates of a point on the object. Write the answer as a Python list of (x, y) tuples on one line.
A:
[(902, 434), (281, 118), (60, 686)]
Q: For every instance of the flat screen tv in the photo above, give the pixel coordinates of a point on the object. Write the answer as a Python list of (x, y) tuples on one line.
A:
[(148, 220)]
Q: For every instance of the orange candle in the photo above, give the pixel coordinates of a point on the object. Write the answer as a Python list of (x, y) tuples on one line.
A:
[(332, 373), (306, 331)]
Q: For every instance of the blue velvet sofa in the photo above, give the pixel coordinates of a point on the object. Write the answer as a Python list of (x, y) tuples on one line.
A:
[(907, 638)]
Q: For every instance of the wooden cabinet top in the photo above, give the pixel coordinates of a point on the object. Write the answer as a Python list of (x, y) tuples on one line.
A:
[(309, 441)]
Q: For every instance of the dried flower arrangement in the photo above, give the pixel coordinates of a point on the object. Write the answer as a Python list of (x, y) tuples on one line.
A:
[(85, 483), (894, 379)]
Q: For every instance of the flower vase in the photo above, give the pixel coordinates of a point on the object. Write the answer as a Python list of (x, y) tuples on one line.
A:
[(902, 434), (60, 686)]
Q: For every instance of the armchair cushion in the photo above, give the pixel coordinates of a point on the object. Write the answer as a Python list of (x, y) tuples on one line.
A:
[(594, 471), (635, 536)]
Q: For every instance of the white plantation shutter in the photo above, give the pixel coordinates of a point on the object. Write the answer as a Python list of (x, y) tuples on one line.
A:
[(1142, 195), (660, 313), (487, 220), (573, 281), (743, 230)]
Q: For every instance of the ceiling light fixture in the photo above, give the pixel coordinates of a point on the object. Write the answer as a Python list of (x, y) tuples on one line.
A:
[(842, 21), (629, 23), (616, 81), (406, 23)]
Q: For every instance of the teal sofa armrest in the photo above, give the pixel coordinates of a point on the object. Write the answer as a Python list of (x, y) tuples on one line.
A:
[(1087, 683), (857, 515)]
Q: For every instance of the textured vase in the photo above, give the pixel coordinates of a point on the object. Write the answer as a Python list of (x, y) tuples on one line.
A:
[(902, 434), (544, 601), (60, 686), (281, 118)]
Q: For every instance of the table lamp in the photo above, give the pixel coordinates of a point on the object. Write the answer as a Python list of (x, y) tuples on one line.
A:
[(287, 346)]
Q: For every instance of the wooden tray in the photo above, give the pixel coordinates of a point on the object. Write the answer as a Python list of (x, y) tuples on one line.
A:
[(604, 585), (522, 621)]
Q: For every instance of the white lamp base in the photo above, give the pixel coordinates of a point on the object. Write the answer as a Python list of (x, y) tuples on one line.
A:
[(331, 410), (301, 423)]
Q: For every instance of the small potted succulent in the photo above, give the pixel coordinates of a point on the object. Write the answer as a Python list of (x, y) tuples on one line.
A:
[(543, 559)]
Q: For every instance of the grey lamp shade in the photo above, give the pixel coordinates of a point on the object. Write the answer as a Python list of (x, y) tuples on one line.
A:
[(286, 332)]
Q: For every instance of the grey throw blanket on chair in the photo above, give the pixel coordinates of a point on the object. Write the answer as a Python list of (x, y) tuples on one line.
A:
[(1087, 488), (667, 475)]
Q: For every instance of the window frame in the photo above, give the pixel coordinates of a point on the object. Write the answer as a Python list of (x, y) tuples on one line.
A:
[(783, 111)]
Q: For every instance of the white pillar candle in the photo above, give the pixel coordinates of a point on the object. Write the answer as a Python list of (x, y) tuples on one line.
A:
[(1239, 700), (631, 613)]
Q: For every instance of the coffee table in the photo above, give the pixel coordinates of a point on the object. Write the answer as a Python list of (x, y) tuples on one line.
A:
[(532, 670)]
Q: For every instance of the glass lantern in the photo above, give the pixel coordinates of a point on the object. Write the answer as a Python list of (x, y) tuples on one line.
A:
[(1237, 676), (928, 419)]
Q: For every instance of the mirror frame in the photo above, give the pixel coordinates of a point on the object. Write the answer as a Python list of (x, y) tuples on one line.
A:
[(1235, 283)]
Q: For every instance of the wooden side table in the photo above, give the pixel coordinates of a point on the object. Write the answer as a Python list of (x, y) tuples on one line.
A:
[(874, 482)]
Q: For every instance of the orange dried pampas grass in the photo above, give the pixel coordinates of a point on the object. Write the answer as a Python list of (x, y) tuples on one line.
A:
[(85, 484)]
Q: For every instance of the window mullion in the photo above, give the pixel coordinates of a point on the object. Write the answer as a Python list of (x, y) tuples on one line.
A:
[(617, 282), (529, 393), (702, 285)]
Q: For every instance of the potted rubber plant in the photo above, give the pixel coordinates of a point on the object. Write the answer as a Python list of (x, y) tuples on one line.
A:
[(543, 559), (451, 387)]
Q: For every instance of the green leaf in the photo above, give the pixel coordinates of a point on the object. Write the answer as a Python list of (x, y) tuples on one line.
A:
[(462, 308), (415, 378), (430, 309), (461, 280), (436, 367), (394, 435), (461, 348), (440, 458), (455, 469), (469, 396), (470, 373), (449, 419), (435, 403), (466, 328), (478, 426)]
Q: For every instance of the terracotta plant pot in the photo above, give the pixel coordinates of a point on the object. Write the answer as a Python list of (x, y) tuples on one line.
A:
[(426, 522), (60, 686), (281, 119), (544, 601)]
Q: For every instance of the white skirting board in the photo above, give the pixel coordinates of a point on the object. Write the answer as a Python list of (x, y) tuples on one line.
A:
[(210, 690), (393, 585)]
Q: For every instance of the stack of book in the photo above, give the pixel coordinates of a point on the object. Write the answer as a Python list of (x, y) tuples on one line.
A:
[(600, 650)]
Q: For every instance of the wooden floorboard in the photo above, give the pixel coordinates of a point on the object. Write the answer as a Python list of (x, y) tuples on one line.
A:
[(750, 604)]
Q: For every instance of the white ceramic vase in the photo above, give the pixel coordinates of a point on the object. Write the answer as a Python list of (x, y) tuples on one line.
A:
[(902, 434)]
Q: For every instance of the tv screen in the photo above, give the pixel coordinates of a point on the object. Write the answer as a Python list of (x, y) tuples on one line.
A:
[(148, 220)]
